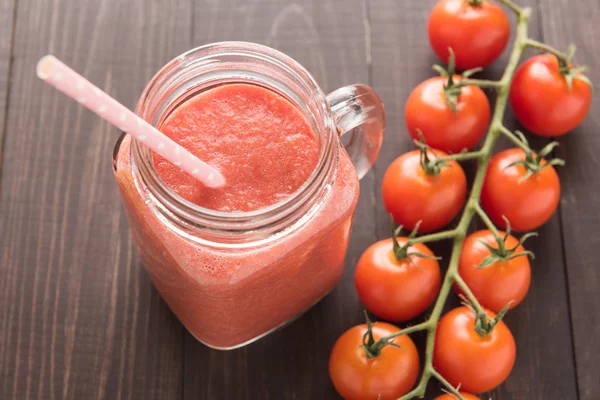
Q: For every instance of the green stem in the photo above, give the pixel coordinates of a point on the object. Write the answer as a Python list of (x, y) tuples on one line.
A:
[(434, 237), (471, 155), (487, 221), (548, 49), (447, 384), (407, 331), (518, 10), (513, 138), (494, 132), (482, 83), (467, 291)]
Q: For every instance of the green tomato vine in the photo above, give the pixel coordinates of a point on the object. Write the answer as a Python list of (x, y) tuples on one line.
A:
[(472, 207)]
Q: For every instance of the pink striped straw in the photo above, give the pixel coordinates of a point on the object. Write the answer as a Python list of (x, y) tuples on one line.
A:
[(54, 72)]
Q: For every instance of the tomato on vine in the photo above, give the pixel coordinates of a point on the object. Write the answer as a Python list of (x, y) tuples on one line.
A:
[(476, 30), (495, 268), (396, 280), (450, 115), (474, 350), (364, 364), (523, 187), (449, 396), (420, 186), (548, 96)]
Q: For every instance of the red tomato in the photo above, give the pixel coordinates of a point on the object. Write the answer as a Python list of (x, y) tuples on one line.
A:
[(397, 290), (426, 111), (358, 377), (529, 203), (478, 364), (411, 195), (541, 100), (497, 284), (477, 33), (447, 396)]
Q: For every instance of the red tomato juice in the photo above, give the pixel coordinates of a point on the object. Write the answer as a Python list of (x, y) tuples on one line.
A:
[(261, 143), (266, 149)]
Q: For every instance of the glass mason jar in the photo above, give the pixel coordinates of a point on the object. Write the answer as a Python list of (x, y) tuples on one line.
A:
[(232, 278)]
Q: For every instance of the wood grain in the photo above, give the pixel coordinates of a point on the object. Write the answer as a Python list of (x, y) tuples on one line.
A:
[(328, 38), (565, 22), (6, 40), (543, 370), (79, 318)]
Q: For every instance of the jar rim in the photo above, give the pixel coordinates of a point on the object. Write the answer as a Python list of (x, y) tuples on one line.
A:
[(274, 214)]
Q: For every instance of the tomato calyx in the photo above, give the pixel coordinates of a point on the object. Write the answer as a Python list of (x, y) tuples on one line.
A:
[(401, 253), (453, 89), (483, 324), (502, 253), (373, 348), (431, 167), (475, 3), (565, 65), (566, 68), (534, 163)]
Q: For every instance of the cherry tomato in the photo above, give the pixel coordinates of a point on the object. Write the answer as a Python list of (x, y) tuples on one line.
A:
[(529, 203), (397, 290), (411, 195), (478, 364), (426, 111), (448, 396), (542, 101), (389, 375), (477, 33), (499, 283)]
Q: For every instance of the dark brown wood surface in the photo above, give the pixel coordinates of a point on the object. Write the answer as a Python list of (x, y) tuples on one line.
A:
[(579, 214), (79, 318), (6, 32)]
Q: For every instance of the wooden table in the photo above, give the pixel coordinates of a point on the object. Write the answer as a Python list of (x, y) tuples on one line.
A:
[(79, 318)]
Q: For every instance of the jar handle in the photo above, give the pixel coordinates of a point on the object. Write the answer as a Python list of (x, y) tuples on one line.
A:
[(360, 119)]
